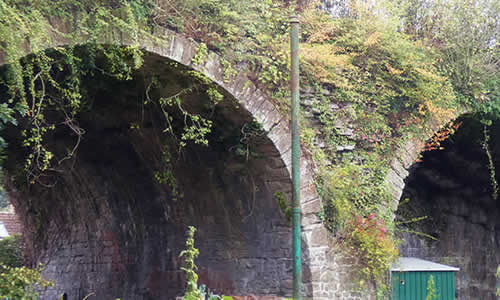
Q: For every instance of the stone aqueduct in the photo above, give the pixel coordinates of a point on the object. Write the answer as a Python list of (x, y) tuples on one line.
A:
[(94, 256)]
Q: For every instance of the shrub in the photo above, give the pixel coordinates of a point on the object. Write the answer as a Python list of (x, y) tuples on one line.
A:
[(16, 281), (11, 251), (20, 283), (370, 240)]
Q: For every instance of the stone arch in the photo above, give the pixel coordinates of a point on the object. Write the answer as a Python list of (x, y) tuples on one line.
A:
[(407, 155), (451, 189), (259, 105)]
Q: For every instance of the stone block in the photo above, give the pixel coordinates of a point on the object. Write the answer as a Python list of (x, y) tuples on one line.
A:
[(313, 206), (319, 236)]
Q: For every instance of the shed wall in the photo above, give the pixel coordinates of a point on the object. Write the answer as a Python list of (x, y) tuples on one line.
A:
[(415, 287)]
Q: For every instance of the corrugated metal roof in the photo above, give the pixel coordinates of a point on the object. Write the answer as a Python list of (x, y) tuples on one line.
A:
[(417, 264)]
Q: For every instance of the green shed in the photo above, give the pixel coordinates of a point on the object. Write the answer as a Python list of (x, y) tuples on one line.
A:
[(410, 277)]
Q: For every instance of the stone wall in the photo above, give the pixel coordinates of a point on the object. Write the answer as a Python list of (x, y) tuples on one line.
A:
[(107, 217), (108, 228), (452, 188)]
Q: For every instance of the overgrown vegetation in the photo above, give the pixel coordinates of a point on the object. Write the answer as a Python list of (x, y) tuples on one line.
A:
[(363, 67), (370, 240), (16, 280), (21, 282), (34, 83), (192, 290), (190, 254), (11, 251)]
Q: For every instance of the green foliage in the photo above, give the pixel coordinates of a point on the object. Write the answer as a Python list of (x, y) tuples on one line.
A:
[(48, 81), (373, 66), (498, 276), (201, 54), (166, 174), (491, 165), (354, 189), (431, 289), (388, 83), (465, 35), (11, 251), (388, 86), (196, 128), (251, 31), (190, 254), (285, 208), (34, 82), (192, 291), (229, 71), (21, 282), (370, 240)]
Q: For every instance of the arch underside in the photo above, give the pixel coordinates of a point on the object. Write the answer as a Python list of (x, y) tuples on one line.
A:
[(452, 188), (109, 228)]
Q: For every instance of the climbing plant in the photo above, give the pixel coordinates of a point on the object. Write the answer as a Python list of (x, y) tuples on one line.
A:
[(34, 82), (431, 289), (374, 245), (190, 254), (491, 166), (360, 68), (39, 82)]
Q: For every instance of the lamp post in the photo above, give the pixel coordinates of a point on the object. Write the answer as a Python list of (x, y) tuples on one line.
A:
[(294, 86)]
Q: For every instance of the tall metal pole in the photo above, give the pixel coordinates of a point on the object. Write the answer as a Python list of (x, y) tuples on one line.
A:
[(297, 257)]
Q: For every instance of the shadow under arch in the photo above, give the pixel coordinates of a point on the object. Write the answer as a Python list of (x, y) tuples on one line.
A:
[(452, 188), (80, 256)]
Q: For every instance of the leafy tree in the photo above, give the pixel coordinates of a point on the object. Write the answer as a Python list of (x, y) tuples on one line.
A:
[(466, 34)]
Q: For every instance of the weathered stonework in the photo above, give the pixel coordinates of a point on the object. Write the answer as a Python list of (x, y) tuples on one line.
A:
[(408, 153), (109, 253), (95, 245), (452, 189)]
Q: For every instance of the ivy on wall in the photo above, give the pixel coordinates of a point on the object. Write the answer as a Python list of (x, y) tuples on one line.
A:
[(386, 83), (35, 84)]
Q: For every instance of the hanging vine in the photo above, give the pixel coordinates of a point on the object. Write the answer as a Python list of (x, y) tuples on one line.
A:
[(40, 81), (491, 165)]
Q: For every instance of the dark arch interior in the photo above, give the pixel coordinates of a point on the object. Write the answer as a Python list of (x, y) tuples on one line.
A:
[(104, 224), (453, 189)]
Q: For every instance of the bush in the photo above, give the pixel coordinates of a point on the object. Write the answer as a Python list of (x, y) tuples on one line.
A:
[(11, 251), (369, 239), (20, 283), (16, 281)]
